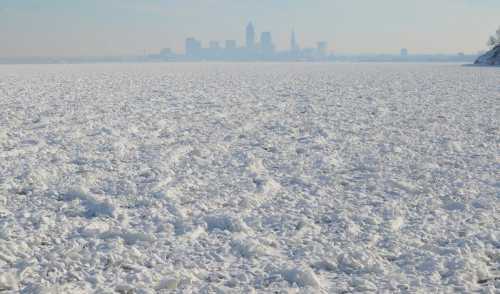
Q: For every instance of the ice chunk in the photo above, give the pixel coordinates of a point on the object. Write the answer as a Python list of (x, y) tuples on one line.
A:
[(325, 264), (363, 285), (93, 206), (225, 223), (248, 248), (168, 284), (94, 229), (8, 281), (302, 277)]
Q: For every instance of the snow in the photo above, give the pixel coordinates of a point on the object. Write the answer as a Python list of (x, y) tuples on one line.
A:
[(249, 178)]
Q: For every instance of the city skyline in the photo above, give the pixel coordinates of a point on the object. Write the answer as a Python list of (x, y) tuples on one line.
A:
[(126, 27), (255, 47)]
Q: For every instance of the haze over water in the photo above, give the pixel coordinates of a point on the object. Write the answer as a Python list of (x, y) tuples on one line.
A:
[(84, 28)]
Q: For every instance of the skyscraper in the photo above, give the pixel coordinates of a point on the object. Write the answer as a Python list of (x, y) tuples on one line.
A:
[(266, 42), (250, 36), (294, 47), (322, 48), (193, 47), (404, 52)]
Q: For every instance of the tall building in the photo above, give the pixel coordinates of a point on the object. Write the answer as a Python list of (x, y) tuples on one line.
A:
[(404, 52), (322, 48), (266, 42), (250, 36), (193, 47), (294, 47)]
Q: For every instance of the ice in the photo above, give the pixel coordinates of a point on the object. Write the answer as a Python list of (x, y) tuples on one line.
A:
[(302, 277), (249, 178), (8, 281), (93, 206), (168, 284), (225, 222), (247, 247)]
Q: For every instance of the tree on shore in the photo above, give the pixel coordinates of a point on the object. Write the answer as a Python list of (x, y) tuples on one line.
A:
[(495, 39)]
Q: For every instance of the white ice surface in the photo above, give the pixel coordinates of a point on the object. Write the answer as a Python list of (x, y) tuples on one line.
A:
[(241, 178)]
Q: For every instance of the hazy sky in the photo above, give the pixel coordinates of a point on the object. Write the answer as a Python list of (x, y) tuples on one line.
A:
[(119, 27)]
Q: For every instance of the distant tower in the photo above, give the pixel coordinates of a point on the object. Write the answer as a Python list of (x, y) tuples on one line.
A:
[(294, 47), (193, 47), (250, 36), (266, 42), (404, 52), (322, 48)]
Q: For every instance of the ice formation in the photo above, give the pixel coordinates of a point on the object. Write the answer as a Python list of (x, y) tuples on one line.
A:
[(249, 178)]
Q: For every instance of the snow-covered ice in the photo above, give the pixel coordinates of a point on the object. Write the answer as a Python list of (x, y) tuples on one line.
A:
[(249, 178)]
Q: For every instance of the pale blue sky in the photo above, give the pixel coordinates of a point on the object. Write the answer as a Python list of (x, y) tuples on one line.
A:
[(119, 27)]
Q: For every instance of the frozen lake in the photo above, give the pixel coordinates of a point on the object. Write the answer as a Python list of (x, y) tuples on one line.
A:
[(249, 178)]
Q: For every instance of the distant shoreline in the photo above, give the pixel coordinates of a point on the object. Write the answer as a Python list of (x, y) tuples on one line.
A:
[(245, 62), (386, 58)]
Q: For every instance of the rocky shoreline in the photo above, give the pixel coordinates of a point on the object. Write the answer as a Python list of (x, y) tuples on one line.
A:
[(490, 58)]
